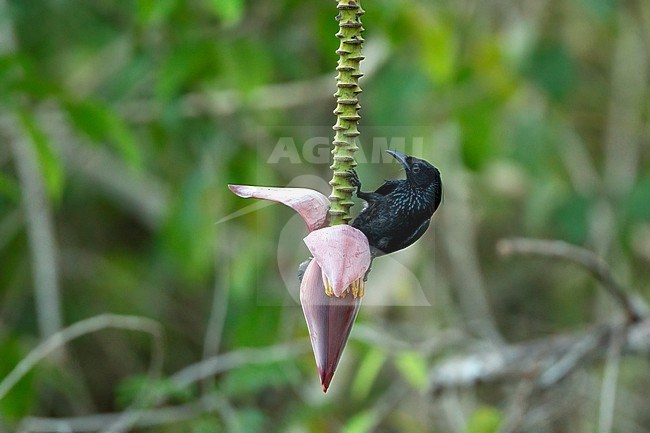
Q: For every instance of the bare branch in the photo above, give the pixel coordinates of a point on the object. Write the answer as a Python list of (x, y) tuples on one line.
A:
[(459, 233), (623, 136), (189, 375), (548, 360), (270, 97), (143, 195), (147, 418), (608, 388), (219, 309), (209, 367), (580, 256), (83, 327), (518, 407), (220, 363), (40, 231)]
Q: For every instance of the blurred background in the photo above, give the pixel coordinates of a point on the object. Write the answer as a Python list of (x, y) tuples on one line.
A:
[(123, 121)]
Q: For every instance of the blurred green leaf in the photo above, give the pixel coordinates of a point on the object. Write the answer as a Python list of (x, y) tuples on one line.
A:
[(413, 366), (154, 11), (133, 388), (249, 420), (367, 373), (531, 141), (362, 422), (23, 396), (553, 69), (207, 424), (492, 70), (250, 379), (603, 9), (50, 165), (230, 11), (542, 202), (189, 232), (485, 420), (9, 188), (238, 58), (638, 202), (478, 122), (571, 219), (10, 74), (395, 100), (18, 75), (438, 46), (187, 61), (101, 124)]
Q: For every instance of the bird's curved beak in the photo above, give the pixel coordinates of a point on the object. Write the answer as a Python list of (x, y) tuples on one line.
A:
[(400, 157)]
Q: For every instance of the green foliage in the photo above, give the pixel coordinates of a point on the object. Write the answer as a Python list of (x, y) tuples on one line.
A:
[(367, 373), (603, 9), (23, 396), (638, 202), (362, 422), (552, 68), (50, 165), (477, 122), (154, 11), (144, 391), (206, 425), (101, 124), (230, 11), (188, 234), (413, 366), (141, 111), (252, 379), (9, 189), (484, 420), (572, 219), (249, 420)]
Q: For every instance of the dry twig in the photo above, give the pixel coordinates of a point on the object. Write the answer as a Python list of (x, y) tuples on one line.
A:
[(583, 257), (40, 231), (547, 361), (83, 327), (148, 418), (141, 417)]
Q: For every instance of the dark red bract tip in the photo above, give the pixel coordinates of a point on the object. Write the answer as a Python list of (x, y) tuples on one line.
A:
[(326, 376), (329, 320)]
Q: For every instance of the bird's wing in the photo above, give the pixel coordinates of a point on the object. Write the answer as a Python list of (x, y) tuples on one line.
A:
[(417, 234), (389, 244), (388, 186)]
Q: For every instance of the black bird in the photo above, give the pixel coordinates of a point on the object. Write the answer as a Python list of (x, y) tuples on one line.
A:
[(398, 212)]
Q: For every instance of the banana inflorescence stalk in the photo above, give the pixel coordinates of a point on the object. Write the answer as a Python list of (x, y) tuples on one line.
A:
[(347, 109)]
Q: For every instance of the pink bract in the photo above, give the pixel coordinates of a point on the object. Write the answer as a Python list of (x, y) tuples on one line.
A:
[(343, 254), (311, 205), (341, 260), (329, 320)]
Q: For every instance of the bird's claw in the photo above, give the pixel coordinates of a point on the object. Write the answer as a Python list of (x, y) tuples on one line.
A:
[(354, 178)]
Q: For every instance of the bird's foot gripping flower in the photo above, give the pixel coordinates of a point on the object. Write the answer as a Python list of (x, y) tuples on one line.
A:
[(341, 258)]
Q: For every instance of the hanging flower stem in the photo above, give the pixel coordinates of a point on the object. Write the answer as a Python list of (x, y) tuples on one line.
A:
[(347, 109)]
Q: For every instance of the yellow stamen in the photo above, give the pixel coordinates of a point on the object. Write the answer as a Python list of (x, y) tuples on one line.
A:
[(355, 288), (329, 291)]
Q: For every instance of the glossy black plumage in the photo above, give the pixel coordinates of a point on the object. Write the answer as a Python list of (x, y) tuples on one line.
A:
[(399, 211)]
